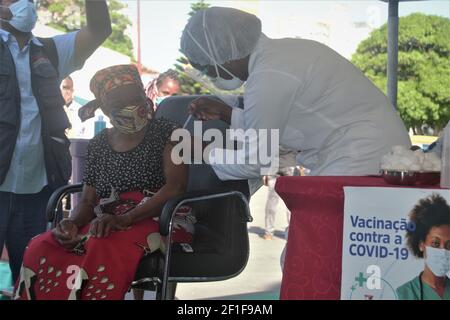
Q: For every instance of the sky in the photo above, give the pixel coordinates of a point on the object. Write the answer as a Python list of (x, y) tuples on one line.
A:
[(162, 22)]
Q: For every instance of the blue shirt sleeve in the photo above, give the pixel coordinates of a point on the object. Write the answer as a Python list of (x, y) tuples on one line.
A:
[(65, 45)]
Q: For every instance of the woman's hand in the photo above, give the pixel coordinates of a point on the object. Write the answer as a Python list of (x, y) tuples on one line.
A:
[(208, 109), (66, 233), (102, 226)]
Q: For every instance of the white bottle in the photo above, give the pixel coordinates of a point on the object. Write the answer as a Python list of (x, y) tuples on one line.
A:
[(445, 170)]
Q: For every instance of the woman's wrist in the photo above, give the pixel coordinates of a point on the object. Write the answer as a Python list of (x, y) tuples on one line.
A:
[(83, 214), (75, 222), (126, 220)]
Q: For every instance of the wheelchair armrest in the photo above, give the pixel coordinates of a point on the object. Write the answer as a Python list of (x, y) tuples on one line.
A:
[(56, 198), (171, 206)]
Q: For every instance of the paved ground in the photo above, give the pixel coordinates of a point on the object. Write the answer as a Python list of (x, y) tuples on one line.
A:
[(261, 279)]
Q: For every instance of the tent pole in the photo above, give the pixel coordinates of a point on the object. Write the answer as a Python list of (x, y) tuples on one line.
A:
[(392, 52), (139, 57)]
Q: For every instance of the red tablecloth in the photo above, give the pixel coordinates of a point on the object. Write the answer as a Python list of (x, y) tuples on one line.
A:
[(312, 267)]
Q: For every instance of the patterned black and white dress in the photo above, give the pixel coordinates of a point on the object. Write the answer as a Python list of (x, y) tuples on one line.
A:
[(140, 169)]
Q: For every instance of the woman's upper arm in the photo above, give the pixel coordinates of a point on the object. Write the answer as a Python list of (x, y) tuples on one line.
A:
[(176, 175)]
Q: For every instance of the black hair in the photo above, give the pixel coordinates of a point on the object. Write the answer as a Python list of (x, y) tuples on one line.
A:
[(169, 74), (429, 212)]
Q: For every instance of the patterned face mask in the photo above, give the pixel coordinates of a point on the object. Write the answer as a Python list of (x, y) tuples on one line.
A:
[(129, 120)]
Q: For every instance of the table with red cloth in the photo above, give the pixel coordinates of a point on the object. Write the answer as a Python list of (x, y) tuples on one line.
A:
[(313, 261)]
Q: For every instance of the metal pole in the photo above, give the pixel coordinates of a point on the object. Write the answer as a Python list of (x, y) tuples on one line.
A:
[(392, 52), (139, 58)]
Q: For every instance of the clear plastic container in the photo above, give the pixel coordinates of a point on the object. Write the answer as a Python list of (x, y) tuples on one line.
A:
[(445, 170)]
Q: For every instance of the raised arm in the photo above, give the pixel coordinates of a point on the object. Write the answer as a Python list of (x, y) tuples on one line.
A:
[(97, 30)]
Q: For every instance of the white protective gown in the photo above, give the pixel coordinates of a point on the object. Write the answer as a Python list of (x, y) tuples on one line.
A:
[(323, 106)]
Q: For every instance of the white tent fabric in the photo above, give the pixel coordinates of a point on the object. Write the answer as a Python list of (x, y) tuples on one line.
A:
[(102, 58)]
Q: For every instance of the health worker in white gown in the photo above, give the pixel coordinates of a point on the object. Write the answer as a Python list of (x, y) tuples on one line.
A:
[(323, 106)]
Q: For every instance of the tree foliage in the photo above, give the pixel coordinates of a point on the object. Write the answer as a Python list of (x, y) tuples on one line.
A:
[(423, 68), (70, 15), (197, 6)]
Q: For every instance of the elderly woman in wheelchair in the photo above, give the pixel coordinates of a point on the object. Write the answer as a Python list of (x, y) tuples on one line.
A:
[(129, 176)]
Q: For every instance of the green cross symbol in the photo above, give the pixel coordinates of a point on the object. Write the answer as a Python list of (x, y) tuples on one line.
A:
[(360, 279)]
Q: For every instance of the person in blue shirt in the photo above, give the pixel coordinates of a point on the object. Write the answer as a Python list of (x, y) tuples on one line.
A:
[(35, 158), (429, 240)]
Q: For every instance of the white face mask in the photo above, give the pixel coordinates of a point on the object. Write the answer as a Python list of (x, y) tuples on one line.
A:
[(438, 261), (224, 84), (24, 15)]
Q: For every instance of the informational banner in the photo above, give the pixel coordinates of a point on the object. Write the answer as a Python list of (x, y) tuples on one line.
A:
[(376, 260)]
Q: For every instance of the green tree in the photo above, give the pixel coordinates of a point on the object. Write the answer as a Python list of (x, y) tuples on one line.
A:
[(423, 68), (188, 85), (69, 15), (197, 6)]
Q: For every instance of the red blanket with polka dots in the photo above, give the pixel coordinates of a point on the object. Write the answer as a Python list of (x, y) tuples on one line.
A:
[(103, 272)]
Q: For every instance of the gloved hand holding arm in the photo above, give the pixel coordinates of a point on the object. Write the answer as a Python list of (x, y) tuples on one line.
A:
[(267, 106), (206, 109)]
